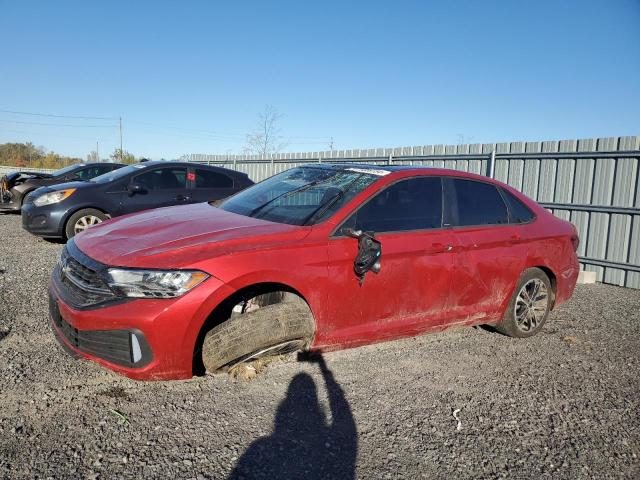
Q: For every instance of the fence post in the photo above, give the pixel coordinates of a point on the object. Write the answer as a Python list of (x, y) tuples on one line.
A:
[(491, 164)]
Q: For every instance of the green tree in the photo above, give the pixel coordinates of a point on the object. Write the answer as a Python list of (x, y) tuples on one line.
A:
[(122, 156)]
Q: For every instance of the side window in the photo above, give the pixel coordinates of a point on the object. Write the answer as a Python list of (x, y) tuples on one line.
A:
[(90, 172), (475, 203), (520, 213), (209, 179), (163, 179), (412, 204)]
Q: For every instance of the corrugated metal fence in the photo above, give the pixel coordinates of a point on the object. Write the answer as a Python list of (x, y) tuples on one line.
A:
[(592, 182)]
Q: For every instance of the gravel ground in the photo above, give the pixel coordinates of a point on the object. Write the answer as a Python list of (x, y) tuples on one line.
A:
[(563, 404)]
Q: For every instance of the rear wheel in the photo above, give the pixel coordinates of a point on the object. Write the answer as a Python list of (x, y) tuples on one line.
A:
[(266, 325), (83, 219), (530, 305)]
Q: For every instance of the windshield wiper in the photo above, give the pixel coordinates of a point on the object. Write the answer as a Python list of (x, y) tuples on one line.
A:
[(322, 208)]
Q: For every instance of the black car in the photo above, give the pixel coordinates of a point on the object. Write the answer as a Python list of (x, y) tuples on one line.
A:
[(62, 211), (15, 186)]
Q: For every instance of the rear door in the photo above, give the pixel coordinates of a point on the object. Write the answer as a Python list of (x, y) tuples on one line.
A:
[(208, 185), (489, 254), (410, 293), (162, 187)]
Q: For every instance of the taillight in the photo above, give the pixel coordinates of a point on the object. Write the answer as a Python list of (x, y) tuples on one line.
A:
[(575, 240)]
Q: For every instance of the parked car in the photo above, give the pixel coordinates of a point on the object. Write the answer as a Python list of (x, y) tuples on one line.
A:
[(318, 257), (61, 211), (15, 186)]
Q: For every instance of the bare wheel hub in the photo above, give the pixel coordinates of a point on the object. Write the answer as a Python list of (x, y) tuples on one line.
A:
[(531, 305)]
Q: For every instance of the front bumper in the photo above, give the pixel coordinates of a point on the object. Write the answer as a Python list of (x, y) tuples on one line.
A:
[(45, 221), (167, 331), (9, 202)]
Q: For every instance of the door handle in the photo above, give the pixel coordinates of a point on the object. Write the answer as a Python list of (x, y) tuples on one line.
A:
[(441, 247), (183, 198)]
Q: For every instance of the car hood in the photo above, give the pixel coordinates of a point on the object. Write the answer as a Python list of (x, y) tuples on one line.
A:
[(174, 237), (65, 186)]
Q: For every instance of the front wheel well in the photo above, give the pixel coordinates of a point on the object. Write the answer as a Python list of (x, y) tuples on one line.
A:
[(224, 309)]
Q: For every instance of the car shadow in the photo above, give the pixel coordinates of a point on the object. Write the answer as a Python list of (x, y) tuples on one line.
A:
[(303, 444)]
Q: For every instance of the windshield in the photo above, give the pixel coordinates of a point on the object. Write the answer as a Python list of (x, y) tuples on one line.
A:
[(65, 170), (116, 174), (300, 196)]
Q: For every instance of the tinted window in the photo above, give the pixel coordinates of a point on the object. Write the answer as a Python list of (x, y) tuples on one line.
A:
[(91, 172), (119, 173), (412, 204), (209, 179), (62, 171), (520, 213), (476, 203), (163, 179)]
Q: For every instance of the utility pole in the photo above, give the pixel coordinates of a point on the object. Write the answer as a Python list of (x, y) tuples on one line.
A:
[(331, 144), (121, 152), (97, 151)]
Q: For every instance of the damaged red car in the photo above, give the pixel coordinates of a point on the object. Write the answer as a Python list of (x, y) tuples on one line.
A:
[(318, 258)]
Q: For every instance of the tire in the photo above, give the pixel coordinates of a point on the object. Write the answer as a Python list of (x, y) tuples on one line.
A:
[(269, 330), (523, 317), (91, 217)]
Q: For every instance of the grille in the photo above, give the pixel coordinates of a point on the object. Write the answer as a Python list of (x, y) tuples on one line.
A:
[(79, 279), (111, 345)]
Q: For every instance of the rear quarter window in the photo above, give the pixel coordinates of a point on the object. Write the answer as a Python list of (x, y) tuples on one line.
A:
[(520, 213)]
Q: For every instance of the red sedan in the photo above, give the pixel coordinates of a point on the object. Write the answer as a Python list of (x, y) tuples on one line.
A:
[(318, 257)]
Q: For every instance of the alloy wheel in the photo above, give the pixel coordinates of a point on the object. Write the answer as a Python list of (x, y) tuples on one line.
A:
[(531, 305), (85, 222)]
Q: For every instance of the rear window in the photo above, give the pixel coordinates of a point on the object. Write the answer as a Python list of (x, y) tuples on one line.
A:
[(475, 203), (520, 213)]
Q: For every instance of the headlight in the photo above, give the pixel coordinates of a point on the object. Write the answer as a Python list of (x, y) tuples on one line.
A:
[(53, 197), (154, 283)]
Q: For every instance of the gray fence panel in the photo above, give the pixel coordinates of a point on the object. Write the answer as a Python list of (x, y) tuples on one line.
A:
[(586, 187)]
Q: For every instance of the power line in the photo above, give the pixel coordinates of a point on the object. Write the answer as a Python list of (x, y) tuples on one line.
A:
[(84, 117), (50, 134), (57, 124)]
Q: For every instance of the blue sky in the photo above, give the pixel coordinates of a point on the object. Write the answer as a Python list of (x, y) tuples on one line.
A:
[(192, 76)]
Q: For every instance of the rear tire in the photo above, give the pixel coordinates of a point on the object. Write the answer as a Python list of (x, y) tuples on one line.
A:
[(272, 329), (529, 307), (83, 219)]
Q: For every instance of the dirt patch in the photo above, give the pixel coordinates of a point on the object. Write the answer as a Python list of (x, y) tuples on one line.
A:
[(116, 392)]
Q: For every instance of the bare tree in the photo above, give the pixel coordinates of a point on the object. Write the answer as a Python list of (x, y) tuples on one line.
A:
[(93, 157), (266, 138)]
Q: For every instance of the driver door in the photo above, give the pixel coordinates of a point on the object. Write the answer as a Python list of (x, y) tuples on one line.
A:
[(410, 293), (162, 187)]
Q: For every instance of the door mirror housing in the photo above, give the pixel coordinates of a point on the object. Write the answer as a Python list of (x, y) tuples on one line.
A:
[(369, 252), (134, 188)]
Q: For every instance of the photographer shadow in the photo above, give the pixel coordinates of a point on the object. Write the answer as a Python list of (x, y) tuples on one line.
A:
[(303, 444)]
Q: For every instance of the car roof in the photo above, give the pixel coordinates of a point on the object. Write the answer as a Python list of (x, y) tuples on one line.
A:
[(404, 169), (176, 163), (367, 166)]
